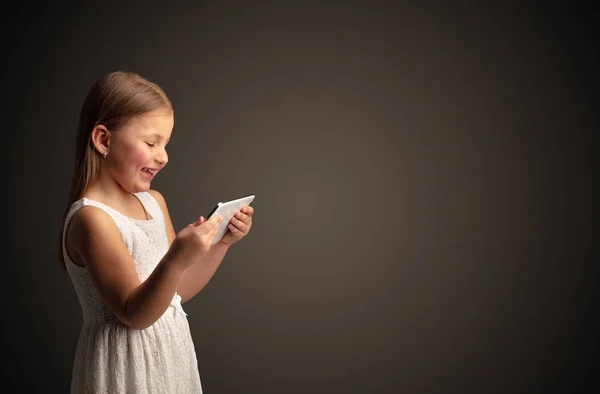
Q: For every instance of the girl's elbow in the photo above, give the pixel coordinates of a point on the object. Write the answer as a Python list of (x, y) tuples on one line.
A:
[(136, 324)]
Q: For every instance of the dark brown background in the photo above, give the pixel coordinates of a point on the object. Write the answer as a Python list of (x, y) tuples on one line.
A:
[(423, 178)]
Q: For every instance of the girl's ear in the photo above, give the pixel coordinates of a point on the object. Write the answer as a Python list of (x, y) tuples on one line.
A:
[(101, 139)]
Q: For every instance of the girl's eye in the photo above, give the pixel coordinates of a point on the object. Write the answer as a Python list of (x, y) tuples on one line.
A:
[(149, 144)]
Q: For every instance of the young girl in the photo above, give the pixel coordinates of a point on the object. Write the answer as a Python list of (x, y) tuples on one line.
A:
[(130, 271)]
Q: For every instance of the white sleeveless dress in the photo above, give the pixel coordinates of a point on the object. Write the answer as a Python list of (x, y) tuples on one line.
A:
[(113, 358)]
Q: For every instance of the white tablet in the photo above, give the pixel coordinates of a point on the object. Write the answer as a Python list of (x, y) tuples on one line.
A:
[(226, 210)]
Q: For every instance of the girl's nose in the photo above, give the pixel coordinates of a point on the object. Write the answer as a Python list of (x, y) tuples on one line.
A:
[(162, 159)]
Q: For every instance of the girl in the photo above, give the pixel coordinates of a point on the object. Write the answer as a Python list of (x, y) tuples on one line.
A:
[(130, 271)]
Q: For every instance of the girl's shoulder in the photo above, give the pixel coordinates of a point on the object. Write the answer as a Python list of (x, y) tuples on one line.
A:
[(159, 200), (158, 197)]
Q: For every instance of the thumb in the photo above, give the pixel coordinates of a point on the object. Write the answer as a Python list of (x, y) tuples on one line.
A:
[(199, 221), (214, 220)]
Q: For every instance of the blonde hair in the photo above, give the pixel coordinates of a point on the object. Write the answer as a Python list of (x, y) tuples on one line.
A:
[(111, 101)]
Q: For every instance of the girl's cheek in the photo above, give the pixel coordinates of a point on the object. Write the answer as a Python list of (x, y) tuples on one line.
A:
[(141, 157)]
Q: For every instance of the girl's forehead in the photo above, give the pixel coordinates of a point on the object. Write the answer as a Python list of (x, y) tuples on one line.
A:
[(154, 122)]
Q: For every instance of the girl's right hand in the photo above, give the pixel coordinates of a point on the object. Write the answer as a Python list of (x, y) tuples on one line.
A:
[(194, 241)]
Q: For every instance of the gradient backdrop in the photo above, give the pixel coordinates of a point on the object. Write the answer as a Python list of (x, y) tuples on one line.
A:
[(423, 178)]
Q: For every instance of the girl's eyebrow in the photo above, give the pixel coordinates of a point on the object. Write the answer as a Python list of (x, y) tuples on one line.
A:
[(158, 136)]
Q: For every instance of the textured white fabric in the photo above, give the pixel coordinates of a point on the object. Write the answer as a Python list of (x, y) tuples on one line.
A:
[(113, 358)]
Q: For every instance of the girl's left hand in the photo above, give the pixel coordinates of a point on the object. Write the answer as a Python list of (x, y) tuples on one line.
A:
[(239, 226)]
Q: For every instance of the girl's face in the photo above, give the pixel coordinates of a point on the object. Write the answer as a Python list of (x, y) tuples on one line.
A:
[(137, 151)]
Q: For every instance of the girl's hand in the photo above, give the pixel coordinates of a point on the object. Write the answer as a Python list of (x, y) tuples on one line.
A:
[(238, 226), (194, 241)]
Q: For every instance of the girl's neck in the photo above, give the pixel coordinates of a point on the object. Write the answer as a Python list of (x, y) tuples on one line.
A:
[(107, 190), (119, 199)]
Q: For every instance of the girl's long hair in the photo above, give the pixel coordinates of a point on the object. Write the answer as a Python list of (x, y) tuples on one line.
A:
[(111, 101)]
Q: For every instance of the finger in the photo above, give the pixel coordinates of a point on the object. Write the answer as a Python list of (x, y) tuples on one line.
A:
[(244, 217), (248, 210), (238, 224), (212, 223), (213, 231), (216, 219), (236, 231)]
